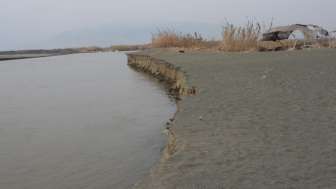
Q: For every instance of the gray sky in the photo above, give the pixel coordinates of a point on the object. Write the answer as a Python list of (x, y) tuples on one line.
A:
[(24, 22)]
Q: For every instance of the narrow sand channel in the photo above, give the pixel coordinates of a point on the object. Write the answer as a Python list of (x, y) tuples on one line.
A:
[(258, 120)]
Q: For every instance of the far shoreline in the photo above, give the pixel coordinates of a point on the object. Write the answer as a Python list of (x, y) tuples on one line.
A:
[(18, 57), (39, 53)]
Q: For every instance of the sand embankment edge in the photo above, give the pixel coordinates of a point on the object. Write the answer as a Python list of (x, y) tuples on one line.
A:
[(176, 82)]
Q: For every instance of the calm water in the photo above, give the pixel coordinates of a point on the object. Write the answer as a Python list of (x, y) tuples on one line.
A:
[(78, 121)]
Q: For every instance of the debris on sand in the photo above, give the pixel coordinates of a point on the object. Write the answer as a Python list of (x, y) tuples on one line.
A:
[(310, 32)]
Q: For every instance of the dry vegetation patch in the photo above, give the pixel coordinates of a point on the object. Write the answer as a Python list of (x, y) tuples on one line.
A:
[(170, 38), (332, 43), (240, 38), (325, 43), (235, 39), (280, 45)]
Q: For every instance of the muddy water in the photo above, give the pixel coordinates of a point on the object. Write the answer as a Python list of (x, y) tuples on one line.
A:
[(78, 121)]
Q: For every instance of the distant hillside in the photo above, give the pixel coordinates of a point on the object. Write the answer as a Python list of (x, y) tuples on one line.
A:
[(115, 34)]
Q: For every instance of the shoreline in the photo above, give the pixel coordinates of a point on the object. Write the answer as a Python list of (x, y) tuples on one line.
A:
[(39, 53), (250, 123), (159, 69), (18, 57), (175, 83)]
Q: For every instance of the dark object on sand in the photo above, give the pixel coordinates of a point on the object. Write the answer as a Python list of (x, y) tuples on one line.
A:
[(310, 32)]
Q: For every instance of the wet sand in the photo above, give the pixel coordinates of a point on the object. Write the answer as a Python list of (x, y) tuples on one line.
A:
[(258, 120)]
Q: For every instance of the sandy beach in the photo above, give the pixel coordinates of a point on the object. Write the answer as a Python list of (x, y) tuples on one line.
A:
[(258, 120)]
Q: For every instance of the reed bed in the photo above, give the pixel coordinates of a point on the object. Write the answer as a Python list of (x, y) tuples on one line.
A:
[(241, 38), (281, 45), (170, 38), (332, 43), (235, 39)]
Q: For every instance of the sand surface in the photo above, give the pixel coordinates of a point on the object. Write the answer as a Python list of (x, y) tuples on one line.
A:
[(259, 120)]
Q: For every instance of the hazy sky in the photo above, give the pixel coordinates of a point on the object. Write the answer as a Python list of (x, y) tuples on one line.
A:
[(25, 21)]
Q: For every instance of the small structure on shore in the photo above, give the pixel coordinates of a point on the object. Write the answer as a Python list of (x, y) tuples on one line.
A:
[(309, 32), (333, 34)]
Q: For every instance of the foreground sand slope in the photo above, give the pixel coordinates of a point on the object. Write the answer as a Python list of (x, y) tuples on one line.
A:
[(259, 120)]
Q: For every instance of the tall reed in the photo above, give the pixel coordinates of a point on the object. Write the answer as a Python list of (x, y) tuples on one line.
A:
[(240, 38), (170, 38)]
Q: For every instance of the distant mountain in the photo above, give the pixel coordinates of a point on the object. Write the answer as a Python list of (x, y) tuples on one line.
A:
[(125, 34)]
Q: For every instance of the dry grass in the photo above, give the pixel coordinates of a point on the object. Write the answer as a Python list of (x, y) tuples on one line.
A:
[(241, 38), (325, 43), (127, 47), (247, 38), (234, 39), (89, 49), (280, 45), (332, 43), (171, 38)]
